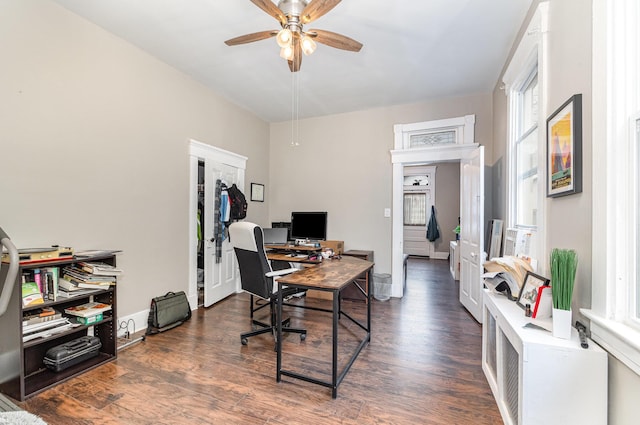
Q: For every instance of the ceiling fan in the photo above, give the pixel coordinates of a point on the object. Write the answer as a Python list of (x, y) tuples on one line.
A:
[(292, 39)]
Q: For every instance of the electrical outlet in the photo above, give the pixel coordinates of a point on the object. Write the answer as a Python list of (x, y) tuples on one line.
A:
[(387, 212)]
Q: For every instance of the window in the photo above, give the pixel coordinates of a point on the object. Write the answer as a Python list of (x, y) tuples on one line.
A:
[(526, 146), (415, 209), (635, 294), (523, 82), (615, 305)]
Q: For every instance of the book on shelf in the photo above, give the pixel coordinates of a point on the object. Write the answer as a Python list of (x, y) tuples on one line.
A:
[(45, 329), (49, 277), (99, 269), (88, 309), (31, 294), (44, 314), (95, 253), (75, 291), (90, 320), (80, 275), (67, 286), (88, 285)]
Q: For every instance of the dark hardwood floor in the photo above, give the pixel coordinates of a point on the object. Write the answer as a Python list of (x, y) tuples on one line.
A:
[(421, 367)]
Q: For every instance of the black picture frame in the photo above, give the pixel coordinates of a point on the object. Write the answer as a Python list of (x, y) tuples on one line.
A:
[(564, 149), (529, 291), (257, 192)]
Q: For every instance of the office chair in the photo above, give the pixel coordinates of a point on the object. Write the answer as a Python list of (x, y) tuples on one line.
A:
[(258, 278)]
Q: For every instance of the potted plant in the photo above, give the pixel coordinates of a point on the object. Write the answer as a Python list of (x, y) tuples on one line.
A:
[(564, 263)]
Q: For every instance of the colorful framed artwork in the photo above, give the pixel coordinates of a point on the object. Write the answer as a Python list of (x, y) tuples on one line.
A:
[(564, 149)]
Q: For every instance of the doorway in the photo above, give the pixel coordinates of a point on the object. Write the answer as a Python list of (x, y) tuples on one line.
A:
[(418, 198), (212, 266), (433, 142)]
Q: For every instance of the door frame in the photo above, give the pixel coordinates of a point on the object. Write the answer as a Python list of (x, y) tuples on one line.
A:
[(403, 155), (199, 151)]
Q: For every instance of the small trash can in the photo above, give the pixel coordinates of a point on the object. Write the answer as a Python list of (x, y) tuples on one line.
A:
[(381, 286)]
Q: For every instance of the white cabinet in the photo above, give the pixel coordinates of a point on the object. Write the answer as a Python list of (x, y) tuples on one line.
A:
[(454, 260), (536, 378)]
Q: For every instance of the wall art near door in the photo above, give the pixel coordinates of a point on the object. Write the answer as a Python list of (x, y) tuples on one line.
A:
[(564, 149)]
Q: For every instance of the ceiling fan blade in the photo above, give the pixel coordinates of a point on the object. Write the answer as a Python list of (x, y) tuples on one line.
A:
[(336, 40), (294, 65), (248, 38), (271, 9), (316, 9)]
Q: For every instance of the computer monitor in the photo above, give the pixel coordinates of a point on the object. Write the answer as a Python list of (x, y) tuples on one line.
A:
[(309, 225)]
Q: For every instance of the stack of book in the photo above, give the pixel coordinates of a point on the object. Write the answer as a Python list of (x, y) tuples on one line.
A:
[(87, 276), (42, 323), (88, 313)]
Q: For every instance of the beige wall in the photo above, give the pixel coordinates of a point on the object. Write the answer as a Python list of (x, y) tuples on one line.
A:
[(569, 219), (343, 166), (447, 203), (94, 146)]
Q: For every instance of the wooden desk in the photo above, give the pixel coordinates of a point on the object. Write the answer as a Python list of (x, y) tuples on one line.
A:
[(351, 292), (300, 248), (281, 253), (331, 276), (278, 256)]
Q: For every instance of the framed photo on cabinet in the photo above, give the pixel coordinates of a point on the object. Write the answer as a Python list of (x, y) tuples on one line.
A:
[(529, 291)]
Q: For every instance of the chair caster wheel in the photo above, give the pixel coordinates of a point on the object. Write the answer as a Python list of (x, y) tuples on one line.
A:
[(244, 341), (303, 337)]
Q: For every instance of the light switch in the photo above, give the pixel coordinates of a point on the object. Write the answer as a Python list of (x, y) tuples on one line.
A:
[(387, 212)]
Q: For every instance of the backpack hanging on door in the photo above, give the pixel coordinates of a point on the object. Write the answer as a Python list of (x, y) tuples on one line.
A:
[(238, 203)]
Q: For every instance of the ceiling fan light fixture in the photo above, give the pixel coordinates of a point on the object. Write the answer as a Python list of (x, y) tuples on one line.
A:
[(284, 37), (308, 45), (287, 53)]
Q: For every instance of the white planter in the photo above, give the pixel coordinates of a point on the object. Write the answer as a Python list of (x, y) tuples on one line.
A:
[(561, 323)]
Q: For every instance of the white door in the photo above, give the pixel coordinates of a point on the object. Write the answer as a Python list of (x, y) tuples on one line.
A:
[(220, 279), (220, 272), (472, 231), (415, 235), (419, 196)]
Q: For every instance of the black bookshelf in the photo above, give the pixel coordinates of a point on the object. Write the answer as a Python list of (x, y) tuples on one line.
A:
[(23, 373)]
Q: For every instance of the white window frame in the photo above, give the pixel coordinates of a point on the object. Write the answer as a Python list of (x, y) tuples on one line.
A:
[(616, 102), (530, 53)]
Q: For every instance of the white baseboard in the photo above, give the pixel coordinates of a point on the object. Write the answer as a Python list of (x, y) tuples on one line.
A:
[(138, 321), (133, 323), (440, 256)]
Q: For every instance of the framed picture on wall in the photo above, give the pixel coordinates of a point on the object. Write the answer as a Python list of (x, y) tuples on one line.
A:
[(564, 149), (257, 192)]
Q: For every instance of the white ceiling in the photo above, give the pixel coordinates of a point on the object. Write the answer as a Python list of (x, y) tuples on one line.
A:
[(414, 50)]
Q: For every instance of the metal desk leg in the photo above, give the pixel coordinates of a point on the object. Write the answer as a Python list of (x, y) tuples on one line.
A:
[(334, 371), (368, 284), (279, 334)]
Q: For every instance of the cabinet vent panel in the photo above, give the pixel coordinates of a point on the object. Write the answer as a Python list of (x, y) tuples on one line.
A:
[(491, 345), (510, 377)]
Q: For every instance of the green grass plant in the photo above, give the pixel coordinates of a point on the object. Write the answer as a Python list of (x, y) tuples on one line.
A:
[(564, 263)]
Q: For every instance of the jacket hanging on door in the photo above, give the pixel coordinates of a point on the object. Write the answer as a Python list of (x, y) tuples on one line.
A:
[(432, 230)]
